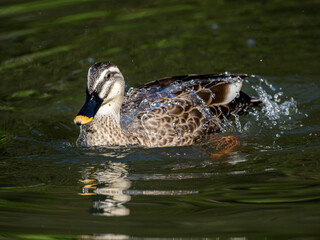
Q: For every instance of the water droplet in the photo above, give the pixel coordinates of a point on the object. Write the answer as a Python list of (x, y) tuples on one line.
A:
[(130, 90), (215, 26), (251, 42)]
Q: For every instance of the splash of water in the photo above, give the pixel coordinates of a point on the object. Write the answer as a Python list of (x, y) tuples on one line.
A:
[(277, 112), (275, 116), (277, 109)]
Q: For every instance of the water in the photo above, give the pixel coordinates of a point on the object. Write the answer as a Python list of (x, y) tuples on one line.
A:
[(267, 187)]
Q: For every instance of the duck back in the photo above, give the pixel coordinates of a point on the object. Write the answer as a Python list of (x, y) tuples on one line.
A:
[(181, 110)]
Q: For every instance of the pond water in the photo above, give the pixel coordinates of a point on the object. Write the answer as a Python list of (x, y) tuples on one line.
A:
[(265, 188)]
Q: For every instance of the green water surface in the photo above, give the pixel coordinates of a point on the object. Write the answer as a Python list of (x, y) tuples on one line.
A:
[(266, 188)]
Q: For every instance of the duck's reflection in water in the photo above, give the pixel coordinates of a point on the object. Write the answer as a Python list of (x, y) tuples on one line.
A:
[(106, 184)]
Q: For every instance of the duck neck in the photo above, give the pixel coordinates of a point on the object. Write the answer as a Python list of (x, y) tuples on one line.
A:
[(111, 110), (102, 130), (105, 128), (108, 117)]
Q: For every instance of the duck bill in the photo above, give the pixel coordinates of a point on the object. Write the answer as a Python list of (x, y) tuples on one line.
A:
[(89, 110)]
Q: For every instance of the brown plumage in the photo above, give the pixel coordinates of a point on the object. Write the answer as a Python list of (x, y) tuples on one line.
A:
[(173, 111)]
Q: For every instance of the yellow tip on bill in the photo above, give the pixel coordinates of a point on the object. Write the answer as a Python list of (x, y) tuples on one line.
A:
[(81, 120)]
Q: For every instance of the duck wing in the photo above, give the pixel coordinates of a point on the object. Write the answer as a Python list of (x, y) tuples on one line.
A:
[(202, 95)]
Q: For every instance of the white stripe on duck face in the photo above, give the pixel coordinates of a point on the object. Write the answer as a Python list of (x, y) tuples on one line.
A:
[(88, 79), (99, 79), (94, 84), (111, 89)]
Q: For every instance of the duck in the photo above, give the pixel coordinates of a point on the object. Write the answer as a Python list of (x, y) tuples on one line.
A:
[(172, 111)]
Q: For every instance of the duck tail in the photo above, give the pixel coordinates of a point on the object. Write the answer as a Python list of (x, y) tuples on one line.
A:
[(255, 101), (249, 101), (244, 102)]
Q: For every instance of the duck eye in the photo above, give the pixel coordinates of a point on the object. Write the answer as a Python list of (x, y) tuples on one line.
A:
[(108, 75)]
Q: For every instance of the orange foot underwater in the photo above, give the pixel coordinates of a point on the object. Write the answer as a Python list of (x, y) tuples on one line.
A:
[(224, 145)]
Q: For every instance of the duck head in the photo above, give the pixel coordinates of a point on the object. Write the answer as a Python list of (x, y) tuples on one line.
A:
[(104, 93)]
